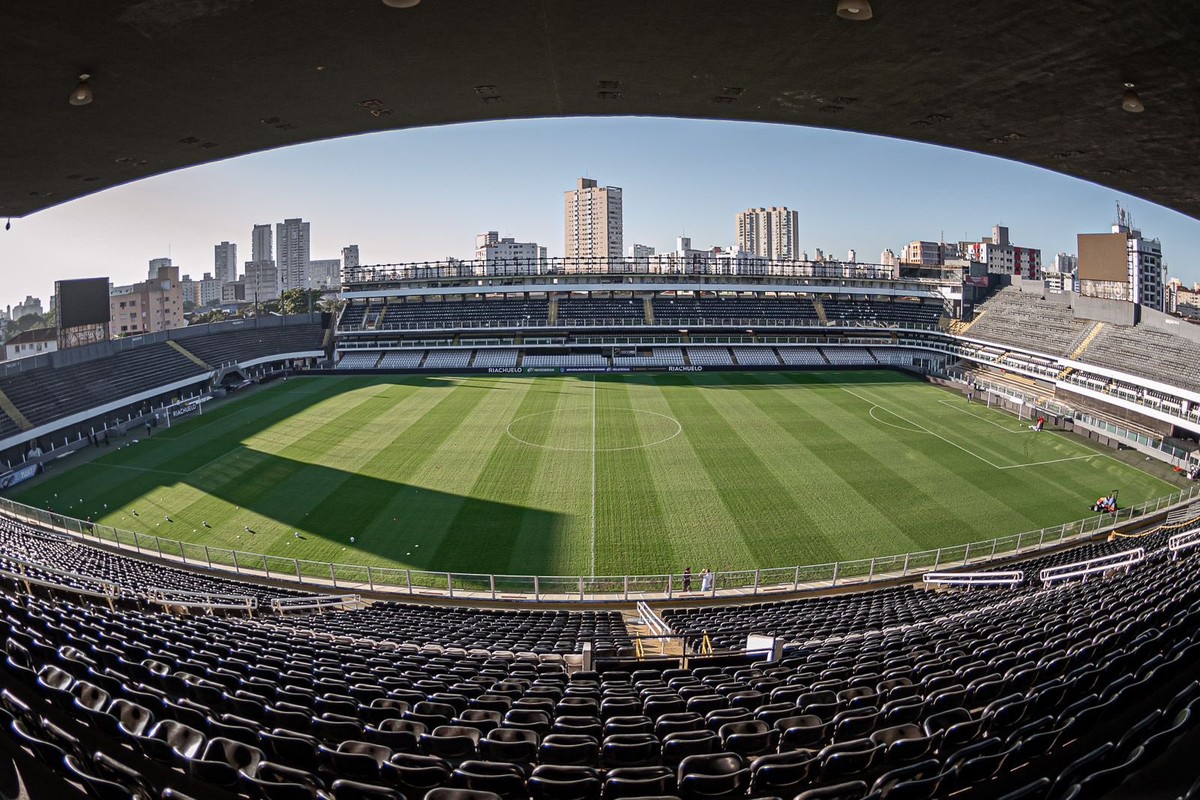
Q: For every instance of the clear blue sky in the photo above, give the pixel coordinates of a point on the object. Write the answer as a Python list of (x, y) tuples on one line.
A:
[(423, 194)]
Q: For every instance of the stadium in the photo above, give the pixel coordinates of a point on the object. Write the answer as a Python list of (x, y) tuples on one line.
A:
[(590, 529)]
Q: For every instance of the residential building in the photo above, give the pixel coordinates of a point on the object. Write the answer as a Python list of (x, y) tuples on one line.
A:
[(714, 260), (1002, 257), (921, 253), (350, 258), (292, 253), (496, 256), (888, 259), (234, 291), (1183, 300), (155, 265), (1147, 272), (202, 292), (1123, 265), (771, 233), (260, 244), (1063, 275), (225, 262), (30, 343), (148, 307), (325, 273), (261, 281), (594, 225), (30, 305), (638, 258)]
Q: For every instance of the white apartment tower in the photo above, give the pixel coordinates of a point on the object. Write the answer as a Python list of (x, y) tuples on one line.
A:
[(1147, 272), (292, 253), (496, 256), (225, 262), (349, 257), (772, 233), (594, 226), (260, 244)]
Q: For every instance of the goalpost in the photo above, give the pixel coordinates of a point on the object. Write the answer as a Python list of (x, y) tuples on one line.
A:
[(181, 408)]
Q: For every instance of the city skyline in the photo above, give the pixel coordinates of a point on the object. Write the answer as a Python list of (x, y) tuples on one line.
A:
[(425, 194)]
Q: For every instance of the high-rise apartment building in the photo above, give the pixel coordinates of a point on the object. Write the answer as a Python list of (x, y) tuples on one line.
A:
[(594, 225), (260, 244), (772, 233), (261, 281), (292, 253), (1147, 272), (225, 262)]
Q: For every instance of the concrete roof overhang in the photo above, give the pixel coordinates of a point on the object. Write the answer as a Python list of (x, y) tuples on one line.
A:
[(185, 82)]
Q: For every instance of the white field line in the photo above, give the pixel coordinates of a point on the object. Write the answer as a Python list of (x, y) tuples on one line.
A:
[(967, 450), (139, 469), (172, 472), (1023, 429), (592, 561)]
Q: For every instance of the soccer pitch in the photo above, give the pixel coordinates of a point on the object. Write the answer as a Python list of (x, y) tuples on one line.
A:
[(605, 475)]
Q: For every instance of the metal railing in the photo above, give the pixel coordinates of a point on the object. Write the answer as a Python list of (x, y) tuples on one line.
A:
[(969, 579), (1081, 569), (767, 581)]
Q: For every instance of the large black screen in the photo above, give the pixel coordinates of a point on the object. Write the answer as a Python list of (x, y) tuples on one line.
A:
[(82, 302)]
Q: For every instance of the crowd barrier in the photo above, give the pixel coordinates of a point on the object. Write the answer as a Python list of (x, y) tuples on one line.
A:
[(324, 576)]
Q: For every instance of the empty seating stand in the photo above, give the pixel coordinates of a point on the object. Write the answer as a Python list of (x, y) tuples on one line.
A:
[(574, 312), (459, 314), (1011, 317), (919, 693), (49, 393), (250, 343)]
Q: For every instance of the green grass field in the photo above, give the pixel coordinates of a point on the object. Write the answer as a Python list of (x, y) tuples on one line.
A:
[(569, 475)]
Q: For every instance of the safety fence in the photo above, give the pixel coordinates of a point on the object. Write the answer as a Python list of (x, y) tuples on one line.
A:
[(324, 576)]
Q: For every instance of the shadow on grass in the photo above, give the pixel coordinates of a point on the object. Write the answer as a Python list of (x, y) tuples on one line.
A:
[(323, 503)]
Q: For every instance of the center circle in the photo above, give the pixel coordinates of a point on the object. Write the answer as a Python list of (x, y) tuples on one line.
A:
[(574, 432)]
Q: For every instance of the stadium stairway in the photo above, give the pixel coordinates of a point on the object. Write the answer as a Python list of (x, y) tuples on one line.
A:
[(960, 327), (14, 413), (552, 311), (1096, 329), (190, 356), (819, 307), (648, 310)]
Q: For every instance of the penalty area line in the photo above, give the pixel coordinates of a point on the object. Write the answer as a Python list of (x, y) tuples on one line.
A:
[(968, 451)]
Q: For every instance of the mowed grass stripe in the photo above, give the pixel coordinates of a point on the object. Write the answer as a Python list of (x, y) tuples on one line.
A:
[(765, 514), (695, 526), (630, 520), (422, 472), (939, 494), (919, 481), (845, 486), (365, 500), (148, 469), (1033, 492), (484, 533), (341, 494), (274, 493)]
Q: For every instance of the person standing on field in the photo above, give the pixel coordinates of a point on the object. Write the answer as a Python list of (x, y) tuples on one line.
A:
[(706, 580), (687, 579)]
